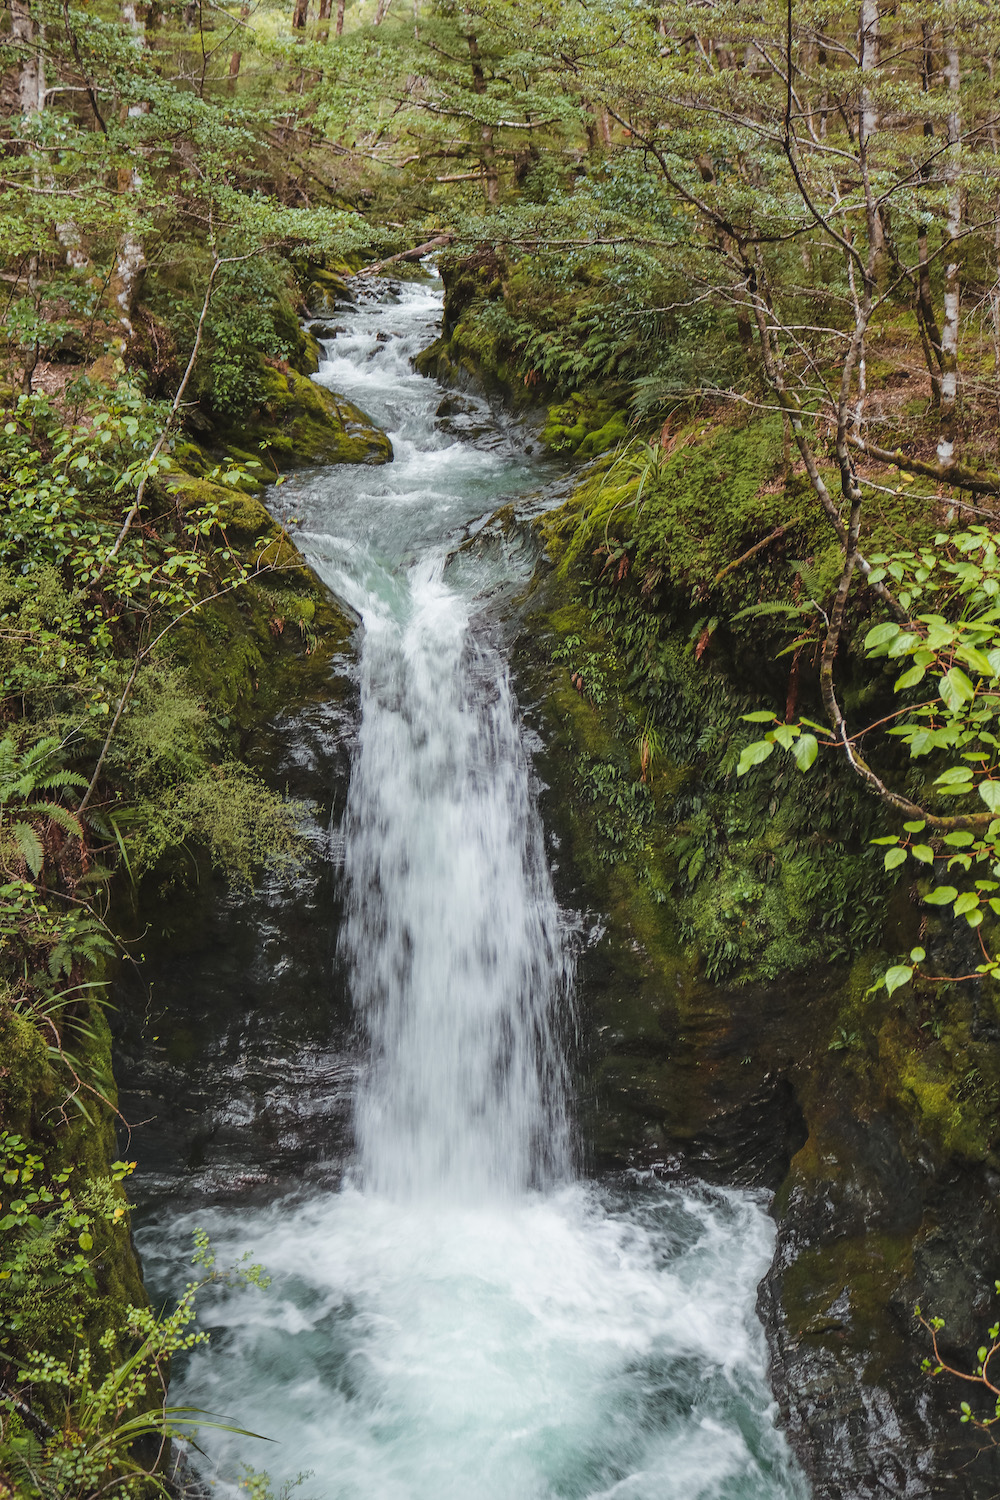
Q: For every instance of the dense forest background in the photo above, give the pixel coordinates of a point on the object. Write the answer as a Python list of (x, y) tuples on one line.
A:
[(747, 257)]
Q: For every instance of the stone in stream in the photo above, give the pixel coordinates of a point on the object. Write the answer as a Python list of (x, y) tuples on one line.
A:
[(303, 424)]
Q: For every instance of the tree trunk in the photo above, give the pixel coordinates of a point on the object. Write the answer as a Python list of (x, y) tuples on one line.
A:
[(953, 229), (130, 261), (995, 289), (300, 15), (323, 34), (930, 334), (868, 57), (31, 69), (31, 97), (381, 11), (488, 155), (340, 17), (237, 57)]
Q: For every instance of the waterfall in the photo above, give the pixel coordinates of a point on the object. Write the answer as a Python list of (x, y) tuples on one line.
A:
[(452, 931), (464, 1317)]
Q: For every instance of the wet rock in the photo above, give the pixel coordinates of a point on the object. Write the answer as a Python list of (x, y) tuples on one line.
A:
[(303, 424), (877, 1127), (454, 406), (326, 292), (465, 417), (753, 1143)]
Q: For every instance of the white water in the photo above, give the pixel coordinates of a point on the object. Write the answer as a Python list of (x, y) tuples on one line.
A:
[(465, 1319)]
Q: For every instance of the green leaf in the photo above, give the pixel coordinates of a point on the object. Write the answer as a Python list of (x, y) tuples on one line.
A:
[(760, 716), (785, 735), (881, 636), (753, 755), (917, 826), (976, 659), (30, 846), (897, 976), (85, 1241), (917, 955), (924, 853), (910, 679), (953, 776), (967, 901), (805, 752), (894, 858), (941, 895), (956, 689), (990, 793)]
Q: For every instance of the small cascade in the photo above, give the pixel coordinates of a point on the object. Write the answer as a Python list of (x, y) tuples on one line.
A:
[(452, 931), (464, 1317)]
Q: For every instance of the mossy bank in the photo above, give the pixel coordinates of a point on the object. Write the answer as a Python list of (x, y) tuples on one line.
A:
[(735, 1024), (179, 795)]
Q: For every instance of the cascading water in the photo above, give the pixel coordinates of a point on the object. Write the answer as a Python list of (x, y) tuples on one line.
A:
[(452, 930), (463, 1319)]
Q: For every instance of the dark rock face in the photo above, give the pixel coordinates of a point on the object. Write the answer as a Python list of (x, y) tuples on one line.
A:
[(305, 424), (838, 1306), (847, 1104)]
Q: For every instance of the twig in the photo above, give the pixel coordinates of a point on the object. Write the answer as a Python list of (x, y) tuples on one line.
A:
[(161, 440), (778, 532)]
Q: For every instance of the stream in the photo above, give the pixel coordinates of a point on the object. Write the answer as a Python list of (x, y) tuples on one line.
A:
[(361, 1072)]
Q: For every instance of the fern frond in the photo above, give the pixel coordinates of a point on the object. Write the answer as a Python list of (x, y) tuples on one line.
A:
[(772, 607), (30, 846), (59, 815), (811, 581), (62, 778)]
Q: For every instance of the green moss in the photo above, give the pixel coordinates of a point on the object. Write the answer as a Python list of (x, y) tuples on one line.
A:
[(300, 423), (244, 651), (23, 1068), (66, 1106), (864, 1268), (310, 353), (586, 425), (937, 1070), (324, 288)]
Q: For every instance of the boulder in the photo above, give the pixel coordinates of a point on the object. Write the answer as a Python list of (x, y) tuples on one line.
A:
[(301, 424)]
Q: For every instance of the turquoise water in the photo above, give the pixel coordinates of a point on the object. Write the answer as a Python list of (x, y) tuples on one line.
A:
[(464, 1317)]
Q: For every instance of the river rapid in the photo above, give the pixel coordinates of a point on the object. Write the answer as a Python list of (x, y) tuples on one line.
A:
[(455, 1311)]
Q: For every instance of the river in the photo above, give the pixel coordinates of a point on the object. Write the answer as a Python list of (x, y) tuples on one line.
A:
[(456, 1312)]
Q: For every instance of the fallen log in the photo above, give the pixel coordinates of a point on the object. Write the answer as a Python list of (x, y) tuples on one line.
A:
[(415, 254), (977, 481)]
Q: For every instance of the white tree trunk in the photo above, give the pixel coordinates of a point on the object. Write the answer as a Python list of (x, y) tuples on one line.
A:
[(130, 261), (868, 121), (953, 229), (31, 69)]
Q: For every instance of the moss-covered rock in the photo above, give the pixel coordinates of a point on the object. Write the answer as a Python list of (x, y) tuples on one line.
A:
[(326, 290), (247, 651), (62, 1099), (731, 998), (470, 353), (310, 354), (584, 426), (299, 423)]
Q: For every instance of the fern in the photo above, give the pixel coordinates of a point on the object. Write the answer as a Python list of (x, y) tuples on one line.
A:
[(811, 580), (30, 846), (772, 607), (61, 816)]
